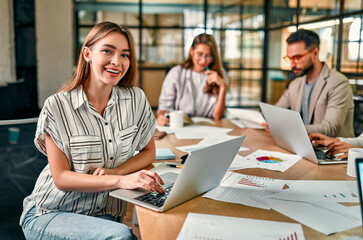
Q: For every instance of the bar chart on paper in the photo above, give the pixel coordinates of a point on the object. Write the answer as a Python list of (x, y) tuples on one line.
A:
[(238, 188), (252, 181), (292, 236), (211, 227), (342, 196)]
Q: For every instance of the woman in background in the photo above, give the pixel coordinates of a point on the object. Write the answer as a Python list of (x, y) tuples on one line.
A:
[(198, 86), (89, 132)]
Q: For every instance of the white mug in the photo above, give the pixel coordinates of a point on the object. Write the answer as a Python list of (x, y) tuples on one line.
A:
[(176, 119), (353, 153)]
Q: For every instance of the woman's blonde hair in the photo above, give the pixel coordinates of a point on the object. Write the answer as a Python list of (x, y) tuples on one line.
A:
[(98, 32), (207, 39)]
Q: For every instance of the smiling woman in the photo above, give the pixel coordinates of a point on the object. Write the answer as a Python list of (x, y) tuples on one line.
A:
[(89, 132), (198, 86)]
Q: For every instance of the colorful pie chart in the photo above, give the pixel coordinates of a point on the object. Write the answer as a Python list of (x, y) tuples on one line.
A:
[(269, 159)]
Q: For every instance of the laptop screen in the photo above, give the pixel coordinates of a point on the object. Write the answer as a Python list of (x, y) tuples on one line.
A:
[(359, 169)]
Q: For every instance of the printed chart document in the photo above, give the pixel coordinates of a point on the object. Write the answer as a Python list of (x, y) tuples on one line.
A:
[(271, 160), (249, 118), (321, 191), (238, 188), (205, 226), (325, 217)]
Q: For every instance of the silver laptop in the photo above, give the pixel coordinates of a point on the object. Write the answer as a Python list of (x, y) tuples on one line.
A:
[(202, 171), (289, 132)]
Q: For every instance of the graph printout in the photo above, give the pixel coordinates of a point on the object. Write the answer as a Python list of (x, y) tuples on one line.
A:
[(321, 191), (271, 160), (211, 227), (325, 217), (238, 188)]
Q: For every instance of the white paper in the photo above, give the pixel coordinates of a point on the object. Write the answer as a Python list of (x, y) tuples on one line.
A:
[(321, 191), (250, 118), (202, 120), (266, 160), (164, 168), (353, 238), (207, 141), (205, 226), (166, 129), (238, 188), (198, 132), (238, 123), (325, 217)]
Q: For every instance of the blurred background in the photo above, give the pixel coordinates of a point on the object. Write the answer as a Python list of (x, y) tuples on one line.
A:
[(40, 42)]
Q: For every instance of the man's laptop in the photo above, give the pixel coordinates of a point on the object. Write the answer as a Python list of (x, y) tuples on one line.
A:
[(289, 132), (359, 169), (203, 170)]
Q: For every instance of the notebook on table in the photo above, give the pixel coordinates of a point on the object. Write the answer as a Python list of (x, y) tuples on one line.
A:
[(164, 154), (289, 132), (203, 170)]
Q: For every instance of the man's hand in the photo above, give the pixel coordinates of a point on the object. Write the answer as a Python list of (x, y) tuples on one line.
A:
[(321, 139), (341, 148)]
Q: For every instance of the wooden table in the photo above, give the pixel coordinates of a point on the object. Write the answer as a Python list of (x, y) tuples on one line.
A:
[(167, 225)]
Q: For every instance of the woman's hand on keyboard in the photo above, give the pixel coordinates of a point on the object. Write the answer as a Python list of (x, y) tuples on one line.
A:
[(142, 179)]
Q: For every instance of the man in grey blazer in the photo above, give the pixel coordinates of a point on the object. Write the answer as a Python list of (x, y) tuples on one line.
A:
[(322, 96)]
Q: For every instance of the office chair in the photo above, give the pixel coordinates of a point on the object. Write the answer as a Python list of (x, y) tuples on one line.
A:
[(20, 153)]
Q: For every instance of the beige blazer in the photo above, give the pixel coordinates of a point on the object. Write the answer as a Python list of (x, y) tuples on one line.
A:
[(331, 105)]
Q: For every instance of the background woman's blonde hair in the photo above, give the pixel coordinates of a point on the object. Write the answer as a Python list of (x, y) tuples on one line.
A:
[(207, 39), (98, 32)]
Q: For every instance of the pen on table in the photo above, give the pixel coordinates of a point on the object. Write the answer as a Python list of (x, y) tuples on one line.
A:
[(174, 165)]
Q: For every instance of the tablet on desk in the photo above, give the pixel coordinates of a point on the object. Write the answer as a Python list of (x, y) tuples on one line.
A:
[(359, 169)]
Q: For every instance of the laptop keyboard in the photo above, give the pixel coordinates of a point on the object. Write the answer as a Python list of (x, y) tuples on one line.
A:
[(321, 155), (154, 198)]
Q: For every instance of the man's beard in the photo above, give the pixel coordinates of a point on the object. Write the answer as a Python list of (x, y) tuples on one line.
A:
[(305, 71)]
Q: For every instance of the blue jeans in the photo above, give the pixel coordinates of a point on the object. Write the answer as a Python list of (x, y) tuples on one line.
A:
[(65, 225)]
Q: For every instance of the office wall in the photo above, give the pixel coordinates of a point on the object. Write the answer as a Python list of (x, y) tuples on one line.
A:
[(7, 56), (54, 35)]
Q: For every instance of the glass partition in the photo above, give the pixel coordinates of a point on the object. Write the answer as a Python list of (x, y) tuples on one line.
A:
[(352, 45), (312, 10)]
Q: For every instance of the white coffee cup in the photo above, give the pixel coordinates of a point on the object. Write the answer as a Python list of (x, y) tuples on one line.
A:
[(353, 153), (176, 119)]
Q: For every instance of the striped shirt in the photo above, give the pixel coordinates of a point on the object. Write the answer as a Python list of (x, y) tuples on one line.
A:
[(89, 140)]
